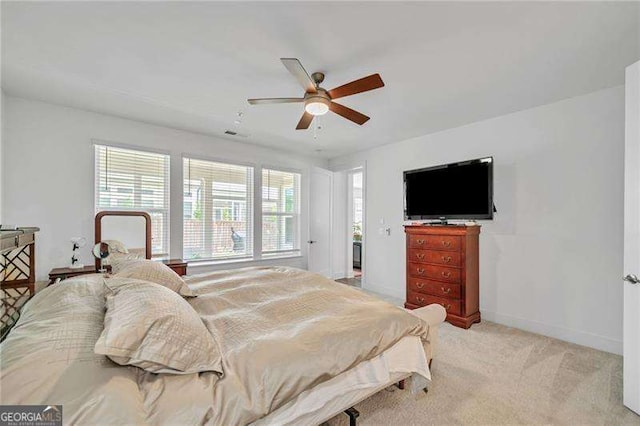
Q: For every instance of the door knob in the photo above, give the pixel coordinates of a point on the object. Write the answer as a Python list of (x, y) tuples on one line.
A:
[(632, 279), (311, 241)]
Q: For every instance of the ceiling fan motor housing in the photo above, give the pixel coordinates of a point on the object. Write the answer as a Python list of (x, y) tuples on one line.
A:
[(318, 77)]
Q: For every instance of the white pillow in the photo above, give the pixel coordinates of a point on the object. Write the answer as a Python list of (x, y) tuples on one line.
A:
[(152, 327), (156, 272)]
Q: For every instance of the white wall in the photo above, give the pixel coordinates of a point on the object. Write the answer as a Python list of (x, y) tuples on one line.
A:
[(49, 173), (551, 260)]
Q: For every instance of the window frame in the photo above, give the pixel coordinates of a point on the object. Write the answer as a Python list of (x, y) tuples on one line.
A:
[(166, 213), (295, 252), (251, 216), (170, 215)]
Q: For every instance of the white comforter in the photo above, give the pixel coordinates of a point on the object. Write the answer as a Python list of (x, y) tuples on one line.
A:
[(281, 331)]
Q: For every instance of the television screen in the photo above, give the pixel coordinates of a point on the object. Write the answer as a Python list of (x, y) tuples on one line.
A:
[(461, 190)]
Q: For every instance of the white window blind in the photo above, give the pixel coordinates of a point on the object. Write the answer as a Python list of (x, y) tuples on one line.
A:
[(280, 212), (128, 179), (218, 210)]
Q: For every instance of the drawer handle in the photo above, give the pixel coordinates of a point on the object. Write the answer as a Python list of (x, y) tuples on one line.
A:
[(420, 241), (420, 299), (446, 259), (420, 271), (420, 256), (447, 307), (446, 243), (419, 284), (446, 274), (447, 291)]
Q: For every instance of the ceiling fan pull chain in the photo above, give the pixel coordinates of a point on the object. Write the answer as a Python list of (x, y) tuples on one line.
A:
[(315, 127)]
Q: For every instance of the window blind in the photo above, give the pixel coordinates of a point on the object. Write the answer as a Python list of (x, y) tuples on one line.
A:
[(128, 179), (280, 212), (218, 210)]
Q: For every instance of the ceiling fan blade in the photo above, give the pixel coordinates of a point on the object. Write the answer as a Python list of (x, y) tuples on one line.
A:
[(348, 113), (374, 81), (263, 101), (305, 121), (295, 67)]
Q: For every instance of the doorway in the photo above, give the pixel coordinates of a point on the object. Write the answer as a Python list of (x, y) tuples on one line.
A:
[(355, 235), (357, 223)]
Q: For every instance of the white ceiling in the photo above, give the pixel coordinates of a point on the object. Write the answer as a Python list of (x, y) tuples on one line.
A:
[(193, 65)]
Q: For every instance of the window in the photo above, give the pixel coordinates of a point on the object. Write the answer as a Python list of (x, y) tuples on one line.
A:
[(128, 179), (218, 210), (280, 212)]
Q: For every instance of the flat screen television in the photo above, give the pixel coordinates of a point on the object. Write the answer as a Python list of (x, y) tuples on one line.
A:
[(462, 190)]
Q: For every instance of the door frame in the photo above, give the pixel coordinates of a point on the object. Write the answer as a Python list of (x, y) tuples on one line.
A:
[(631, 292)]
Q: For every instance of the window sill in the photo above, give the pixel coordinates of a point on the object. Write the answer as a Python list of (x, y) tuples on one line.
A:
[(283, 255), (199, 263), (289, 255)]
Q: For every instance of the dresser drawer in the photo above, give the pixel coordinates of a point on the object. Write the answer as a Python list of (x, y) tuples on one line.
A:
[(439, 273), (434, 242), (452, 306), (434, 288), (448, 258)]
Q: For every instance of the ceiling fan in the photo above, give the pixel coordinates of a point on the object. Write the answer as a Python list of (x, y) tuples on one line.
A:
[(318, 101)]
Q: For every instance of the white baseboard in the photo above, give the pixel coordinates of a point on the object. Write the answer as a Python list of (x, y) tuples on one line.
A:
[(574, 336), (338, 275)]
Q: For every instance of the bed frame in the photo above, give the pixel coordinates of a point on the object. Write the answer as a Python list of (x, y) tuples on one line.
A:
[(98, 228), (397, 379)]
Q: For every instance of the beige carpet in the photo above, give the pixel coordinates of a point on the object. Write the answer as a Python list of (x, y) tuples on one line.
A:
[(491, 374)]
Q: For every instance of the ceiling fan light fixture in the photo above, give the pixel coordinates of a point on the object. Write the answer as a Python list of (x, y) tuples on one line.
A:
[(317, 105)]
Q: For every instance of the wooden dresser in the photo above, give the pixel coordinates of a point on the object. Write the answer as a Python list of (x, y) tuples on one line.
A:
[(17, 274), (443, 268)]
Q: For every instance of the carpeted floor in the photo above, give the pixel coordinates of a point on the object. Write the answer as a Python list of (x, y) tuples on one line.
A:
[(492, 374)]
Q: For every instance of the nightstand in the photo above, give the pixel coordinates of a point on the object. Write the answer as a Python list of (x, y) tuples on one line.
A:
[(179, 266), (64, 273)]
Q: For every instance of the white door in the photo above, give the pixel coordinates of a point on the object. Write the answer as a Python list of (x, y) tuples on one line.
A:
[(631, 333), (320, 209)]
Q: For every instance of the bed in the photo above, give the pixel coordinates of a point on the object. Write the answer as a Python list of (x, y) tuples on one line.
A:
[(296, 348)]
